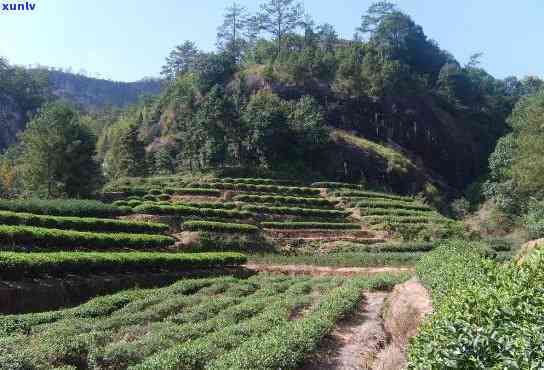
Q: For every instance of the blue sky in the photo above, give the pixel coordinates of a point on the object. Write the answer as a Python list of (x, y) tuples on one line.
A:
[(126, 40)]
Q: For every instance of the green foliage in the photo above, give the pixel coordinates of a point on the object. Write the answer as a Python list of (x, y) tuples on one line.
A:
[(219, 227), (534, 220), (516, 169), (460, 208), (57, 154), (485, 315), (310, 225), (61, 207), (80, 224), (55, 239), (16, 266), (126, 154)]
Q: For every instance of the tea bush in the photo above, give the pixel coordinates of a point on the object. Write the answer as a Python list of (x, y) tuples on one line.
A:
[(81, 224), (55, 239), (486, 316), (219, 227), (16, 266), (61, 207)]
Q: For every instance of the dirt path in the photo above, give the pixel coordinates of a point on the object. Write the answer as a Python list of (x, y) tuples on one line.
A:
[(295, 270), (356, 341)]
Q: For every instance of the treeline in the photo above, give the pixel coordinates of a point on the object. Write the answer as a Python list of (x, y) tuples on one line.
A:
[(261, 100)]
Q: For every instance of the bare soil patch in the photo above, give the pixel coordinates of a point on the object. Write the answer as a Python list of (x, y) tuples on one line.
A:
[(355, 342), (405, 309)]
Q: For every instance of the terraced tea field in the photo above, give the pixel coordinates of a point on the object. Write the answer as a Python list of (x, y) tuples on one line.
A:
[(326, 245), (263, 322)]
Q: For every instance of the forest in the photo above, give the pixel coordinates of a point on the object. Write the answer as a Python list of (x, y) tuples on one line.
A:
[(287, 145)]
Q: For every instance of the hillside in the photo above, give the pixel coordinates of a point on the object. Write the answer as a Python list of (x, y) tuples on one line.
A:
[(93, 93)]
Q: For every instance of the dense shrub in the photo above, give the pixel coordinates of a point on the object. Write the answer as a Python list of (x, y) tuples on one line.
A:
[(285, 200), (81, 224), (486, 316), (16, 266), (534, 220), (219, 227), (55, 239), (60, 207), (311, 225), (290, 211)]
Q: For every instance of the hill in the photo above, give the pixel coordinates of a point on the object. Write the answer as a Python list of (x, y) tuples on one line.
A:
[(93, 93)]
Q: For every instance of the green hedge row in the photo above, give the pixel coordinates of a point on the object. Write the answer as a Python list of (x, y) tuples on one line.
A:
[(81, 224), (371, 194), (485, 315), (396, 212), (287, 190), (375, 220), (202, 191), (385, 204), (258, 181), (310, 225), (191, 211), (17, 266), (338, 185), (289, 211), (219, 227), (61, 207), (55, 239), (284, 200)]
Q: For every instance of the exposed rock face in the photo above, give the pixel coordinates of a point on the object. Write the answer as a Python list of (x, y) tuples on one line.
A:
[(448, 145), (12, 121), (453, 144), (406, 308)]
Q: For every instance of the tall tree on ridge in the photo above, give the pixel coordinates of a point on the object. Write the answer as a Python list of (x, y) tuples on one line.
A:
[(180, 60), (280, 17), (230, 34)]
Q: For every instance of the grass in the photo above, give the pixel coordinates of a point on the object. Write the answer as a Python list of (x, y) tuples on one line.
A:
[(80, 224), (396, 160), (219, 323), (17, 237), (17, 266), (344, 259)]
